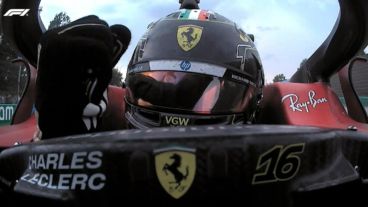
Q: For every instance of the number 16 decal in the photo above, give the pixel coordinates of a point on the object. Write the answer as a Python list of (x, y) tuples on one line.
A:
[(280, 163)]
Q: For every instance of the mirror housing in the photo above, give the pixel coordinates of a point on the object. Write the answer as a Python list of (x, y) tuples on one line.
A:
[(349, 87), (25, 105), (348, 37)]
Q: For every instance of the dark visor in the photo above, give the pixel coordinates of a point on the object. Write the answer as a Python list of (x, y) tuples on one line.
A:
[(188, 92)]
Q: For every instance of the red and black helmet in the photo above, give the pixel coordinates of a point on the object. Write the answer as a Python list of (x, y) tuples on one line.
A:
[(193, 67)]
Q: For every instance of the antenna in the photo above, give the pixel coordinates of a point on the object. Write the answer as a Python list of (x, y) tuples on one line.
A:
[(189, 4)]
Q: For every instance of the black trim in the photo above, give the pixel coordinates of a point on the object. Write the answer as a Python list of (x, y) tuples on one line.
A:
[(23, 33), (351, 66)]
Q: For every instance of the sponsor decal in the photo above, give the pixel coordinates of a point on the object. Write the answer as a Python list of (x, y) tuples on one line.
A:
[(280, 163), (137, 69), (188, 36), (175, 169), (297, 106), (242, 79), (185, 65), (176, 121), (142, 67), (16, 12), (70, 171), (7, 111), (195, 67)]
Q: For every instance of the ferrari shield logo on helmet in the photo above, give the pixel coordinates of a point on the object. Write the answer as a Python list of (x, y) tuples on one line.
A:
[(175, 169), (189, 36)]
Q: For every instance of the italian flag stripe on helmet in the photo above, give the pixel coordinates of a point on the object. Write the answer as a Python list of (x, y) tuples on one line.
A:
[(195, 14), (184, 14)]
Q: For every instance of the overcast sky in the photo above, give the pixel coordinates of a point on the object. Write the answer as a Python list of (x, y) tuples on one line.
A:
[(286, 31)]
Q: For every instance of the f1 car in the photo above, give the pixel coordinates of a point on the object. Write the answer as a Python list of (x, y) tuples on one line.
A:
[(304, 150)]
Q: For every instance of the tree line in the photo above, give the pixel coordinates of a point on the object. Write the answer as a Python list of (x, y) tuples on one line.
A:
[(9, 75)]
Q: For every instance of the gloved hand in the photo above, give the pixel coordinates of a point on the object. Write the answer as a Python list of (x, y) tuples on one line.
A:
[(74, 69)]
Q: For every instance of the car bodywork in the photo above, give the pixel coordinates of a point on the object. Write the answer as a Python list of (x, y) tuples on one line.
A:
[(305, 149)]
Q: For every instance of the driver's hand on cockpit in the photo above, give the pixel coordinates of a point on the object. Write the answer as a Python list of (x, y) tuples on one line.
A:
[(74, 69)]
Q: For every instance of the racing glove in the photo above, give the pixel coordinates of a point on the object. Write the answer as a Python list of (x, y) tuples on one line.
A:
[(74, 69)]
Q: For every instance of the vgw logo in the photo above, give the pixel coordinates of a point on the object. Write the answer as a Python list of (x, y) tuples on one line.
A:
[(176, 121), (16, 12)]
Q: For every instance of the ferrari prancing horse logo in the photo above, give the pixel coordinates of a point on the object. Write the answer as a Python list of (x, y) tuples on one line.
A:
[(175, 169), (189, 36)]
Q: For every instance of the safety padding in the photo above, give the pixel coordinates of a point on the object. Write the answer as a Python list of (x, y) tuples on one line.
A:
[(301, 104)]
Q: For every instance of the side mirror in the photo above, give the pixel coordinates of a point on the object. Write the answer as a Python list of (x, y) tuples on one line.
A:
[(14, 81), (354, 85)]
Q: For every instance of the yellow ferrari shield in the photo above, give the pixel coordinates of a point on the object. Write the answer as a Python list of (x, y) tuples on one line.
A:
[(189, 36), (175, 169)]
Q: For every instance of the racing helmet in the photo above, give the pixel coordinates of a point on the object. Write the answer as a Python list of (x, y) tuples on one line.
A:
[(193, 67)]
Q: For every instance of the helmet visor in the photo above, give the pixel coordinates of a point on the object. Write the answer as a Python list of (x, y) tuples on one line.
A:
[(188, 92)]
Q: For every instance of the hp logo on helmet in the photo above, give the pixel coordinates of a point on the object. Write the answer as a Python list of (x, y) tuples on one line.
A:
[(185, 65)]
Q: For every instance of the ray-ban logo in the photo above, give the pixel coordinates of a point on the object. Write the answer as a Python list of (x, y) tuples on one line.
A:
[(300, 106), (16, 12)]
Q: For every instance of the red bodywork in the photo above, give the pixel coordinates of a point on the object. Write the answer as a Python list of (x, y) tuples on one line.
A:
[(302, 104), (284, 103)]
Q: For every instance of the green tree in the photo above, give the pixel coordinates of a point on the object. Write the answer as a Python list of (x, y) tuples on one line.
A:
[(59, 20), (6, 52), (117, 78), (279, 78), (302, 63), (9, 73)]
